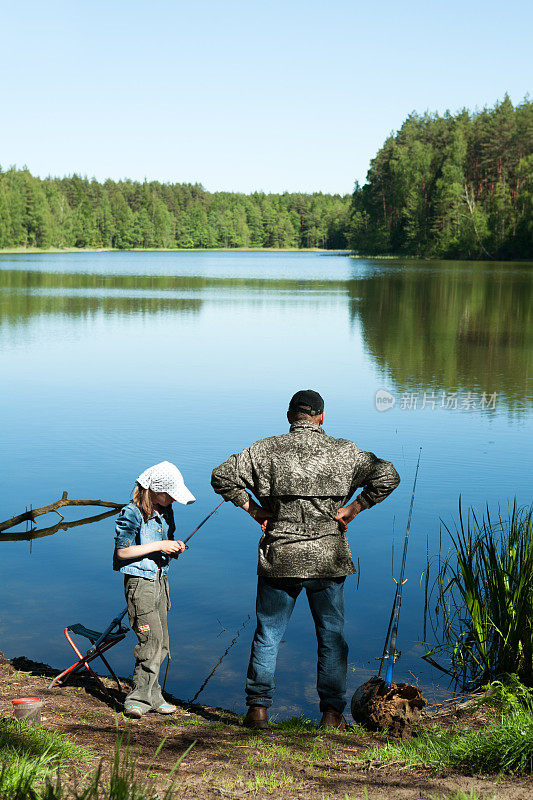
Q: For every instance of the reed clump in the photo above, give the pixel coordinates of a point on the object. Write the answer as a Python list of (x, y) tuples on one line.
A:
[(483, 598)]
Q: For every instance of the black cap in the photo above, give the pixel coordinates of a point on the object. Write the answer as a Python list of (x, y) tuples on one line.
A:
[(307, 401)]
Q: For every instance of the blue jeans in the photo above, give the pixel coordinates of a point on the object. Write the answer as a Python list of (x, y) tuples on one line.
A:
[(275, 601)]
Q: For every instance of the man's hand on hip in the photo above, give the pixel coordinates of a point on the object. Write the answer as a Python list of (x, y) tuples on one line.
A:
[(260, 514), (347, 513)]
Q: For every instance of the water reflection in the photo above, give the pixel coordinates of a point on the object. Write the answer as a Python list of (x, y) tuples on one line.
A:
[(468, 328), (426, 325)]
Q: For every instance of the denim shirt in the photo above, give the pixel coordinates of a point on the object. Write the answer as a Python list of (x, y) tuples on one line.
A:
[(131, 529)]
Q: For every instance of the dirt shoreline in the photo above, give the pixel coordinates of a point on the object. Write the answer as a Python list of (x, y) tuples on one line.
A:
[(230, 761)]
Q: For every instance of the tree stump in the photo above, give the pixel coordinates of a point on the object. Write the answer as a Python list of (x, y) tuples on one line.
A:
[(395, 709)]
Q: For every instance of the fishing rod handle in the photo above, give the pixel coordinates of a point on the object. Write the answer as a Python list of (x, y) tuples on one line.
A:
[(388, 676)]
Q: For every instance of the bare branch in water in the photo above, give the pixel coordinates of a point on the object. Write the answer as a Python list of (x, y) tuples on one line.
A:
[(38, 533), (29, 516)]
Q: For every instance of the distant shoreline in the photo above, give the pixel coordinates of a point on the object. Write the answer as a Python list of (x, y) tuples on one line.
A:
[(37, 250)]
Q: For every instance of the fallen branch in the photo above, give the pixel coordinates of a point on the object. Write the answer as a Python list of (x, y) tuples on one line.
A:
[(38, 533), (29, 516)]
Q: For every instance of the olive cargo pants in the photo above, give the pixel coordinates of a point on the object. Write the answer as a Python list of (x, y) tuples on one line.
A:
[(148, 602)]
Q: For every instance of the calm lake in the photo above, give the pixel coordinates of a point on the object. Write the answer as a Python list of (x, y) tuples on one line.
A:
[(111, 362)]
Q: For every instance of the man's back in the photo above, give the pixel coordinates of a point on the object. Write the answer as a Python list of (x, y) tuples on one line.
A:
[(302, 481), (303, 477)]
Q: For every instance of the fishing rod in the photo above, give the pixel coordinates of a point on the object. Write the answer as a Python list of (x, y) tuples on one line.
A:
[(198, 528), (169, 657), (203, 522), (395, 613)]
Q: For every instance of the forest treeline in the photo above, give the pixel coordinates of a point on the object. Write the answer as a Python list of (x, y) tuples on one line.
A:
[(452, 186), (77, 212)]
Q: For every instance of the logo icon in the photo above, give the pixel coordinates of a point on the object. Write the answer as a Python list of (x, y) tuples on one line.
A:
[(384, 400)]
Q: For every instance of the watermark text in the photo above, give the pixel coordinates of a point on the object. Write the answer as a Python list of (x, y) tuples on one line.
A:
[(451, 400)]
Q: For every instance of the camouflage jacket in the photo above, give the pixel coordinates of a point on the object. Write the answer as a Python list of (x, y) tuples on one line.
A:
[(303, 478)]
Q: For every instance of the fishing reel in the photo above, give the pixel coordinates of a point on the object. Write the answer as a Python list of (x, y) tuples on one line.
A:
[(385, 656)]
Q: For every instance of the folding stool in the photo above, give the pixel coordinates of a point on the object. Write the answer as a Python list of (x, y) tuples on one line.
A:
[(100, 643)]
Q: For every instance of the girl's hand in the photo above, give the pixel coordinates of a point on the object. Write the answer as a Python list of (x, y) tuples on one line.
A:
[(172, 548)]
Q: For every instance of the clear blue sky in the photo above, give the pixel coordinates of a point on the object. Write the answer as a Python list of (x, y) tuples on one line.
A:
[(241, 95)]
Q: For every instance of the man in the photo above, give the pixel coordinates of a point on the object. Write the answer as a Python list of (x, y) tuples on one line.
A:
[(302, 480)]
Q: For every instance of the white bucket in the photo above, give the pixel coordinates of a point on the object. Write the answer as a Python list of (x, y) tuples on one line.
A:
[(28, 709)]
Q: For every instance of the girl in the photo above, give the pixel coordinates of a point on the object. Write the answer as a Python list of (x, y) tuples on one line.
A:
[(144, 545)]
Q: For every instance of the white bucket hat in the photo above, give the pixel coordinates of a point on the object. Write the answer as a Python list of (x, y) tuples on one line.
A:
[(166, 477)]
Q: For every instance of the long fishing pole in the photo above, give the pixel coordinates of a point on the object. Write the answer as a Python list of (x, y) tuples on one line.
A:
[(397, 604), (169, 656), (203, 522)]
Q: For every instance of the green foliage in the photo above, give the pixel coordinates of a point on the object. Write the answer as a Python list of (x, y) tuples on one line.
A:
[(76, 212), (18, 738), (506, 746), (484, 594), (508, 696), (294, 725), (19, 777), (30, 755), (451, 187), (123, 782)]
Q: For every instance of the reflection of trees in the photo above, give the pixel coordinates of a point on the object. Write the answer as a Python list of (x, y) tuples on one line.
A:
[(439, 325), (27, 293), (432, 324), (33, 280), (20, 308)]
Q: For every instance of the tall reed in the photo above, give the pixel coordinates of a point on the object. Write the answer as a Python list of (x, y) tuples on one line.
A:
[(483, 596)]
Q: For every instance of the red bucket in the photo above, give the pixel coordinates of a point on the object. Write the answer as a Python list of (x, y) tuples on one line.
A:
[(28, 709)]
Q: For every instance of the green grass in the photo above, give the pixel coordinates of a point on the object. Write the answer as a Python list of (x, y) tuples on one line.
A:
[(181, 722), (29, 755), (294, 725), (20, 778), (20, 738), (300, 725), (268, 781), (267, 751), (123, 783), (484, 598), (30, 768), (506, 746), (295, 740)]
